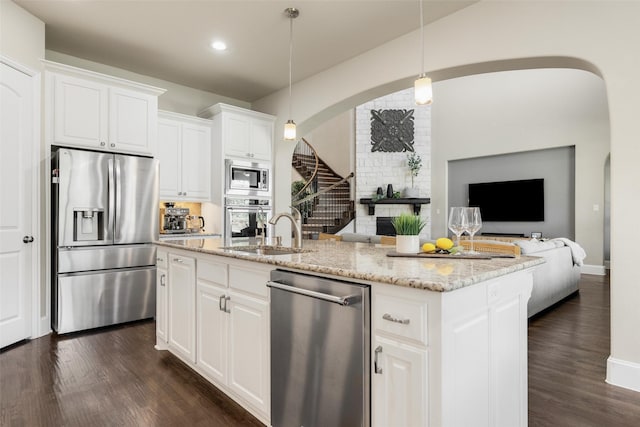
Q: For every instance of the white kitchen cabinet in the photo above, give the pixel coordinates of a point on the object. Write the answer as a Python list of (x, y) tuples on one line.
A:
[(91, 110), (212, 323), (399, 384), (249, 366), (241, 133), (181, 303), (184, 152), (161, 299), (233, 329)]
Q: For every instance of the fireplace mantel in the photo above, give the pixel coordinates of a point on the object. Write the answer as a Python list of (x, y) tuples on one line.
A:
[(416, 202)]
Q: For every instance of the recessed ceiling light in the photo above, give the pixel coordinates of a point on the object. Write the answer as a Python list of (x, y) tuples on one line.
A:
[(218, 45)]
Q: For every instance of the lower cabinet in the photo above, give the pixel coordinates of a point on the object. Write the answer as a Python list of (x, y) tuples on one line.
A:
[(181, 303), (249, 366), (161, 299), (399, 384), (217, 312)]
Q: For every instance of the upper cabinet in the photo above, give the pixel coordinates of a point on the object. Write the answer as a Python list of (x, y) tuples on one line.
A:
[(99, 112), (241, 133), (184, 152)]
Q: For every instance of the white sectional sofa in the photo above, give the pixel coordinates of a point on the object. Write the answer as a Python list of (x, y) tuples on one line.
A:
[(554, 280)]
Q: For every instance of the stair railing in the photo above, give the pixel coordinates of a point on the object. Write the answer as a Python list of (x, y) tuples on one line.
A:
[(304, 149)]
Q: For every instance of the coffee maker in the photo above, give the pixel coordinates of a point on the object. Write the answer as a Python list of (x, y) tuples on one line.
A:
[(174, 220)]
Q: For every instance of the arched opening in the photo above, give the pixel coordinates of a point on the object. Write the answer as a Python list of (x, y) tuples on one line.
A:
[(587, 127)]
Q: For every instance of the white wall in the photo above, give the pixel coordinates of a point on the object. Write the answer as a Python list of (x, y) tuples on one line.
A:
[(334, 140), (517, 111), (488, 36), (378, 169), (21, 35), (177, 98)]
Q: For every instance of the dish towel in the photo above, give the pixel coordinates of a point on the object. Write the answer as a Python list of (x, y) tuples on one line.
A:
[(577, 253)]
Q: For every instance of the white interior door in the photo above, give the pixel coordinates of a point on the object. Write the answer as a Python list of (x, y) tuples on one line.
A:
[(16, 193)]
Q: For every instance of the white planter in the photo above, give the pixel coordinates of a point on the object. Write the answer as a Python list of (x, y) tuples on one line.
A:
[(407, 244), (411, 193)]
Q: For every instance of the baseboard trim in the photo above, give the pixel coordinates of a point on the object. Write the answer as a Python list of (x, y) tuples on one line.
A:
[(597, 270), (624, 374)]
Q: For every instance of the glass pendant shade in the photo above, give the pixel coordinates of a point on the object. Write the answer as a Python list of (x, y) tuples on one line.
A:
[(290, 130), (423, 90)]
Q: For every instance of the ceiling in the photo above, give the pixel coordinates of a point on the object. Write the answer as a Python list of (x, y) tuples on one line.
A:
[(170, 40)]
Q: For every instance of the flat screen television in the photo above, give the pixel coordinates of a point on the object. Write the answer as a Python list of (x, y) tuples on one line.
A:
[(509, 201)]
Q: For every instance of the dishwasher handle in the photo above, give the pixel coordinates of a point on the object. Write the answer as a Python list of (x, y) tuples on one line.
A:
[(346, 300)]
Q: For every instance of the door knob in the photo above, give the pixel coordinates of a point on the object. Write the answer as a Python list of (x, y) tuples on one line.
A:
[(27, 239)]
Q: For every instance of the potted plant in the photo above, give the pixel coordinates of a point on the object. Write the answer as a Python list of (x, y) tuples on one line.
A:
[(408, 228), (414, 164)]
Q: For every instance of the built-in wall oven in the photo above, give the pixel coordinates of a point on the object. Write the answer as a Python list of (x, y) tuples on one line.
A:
[(246, 218), (247, 178)]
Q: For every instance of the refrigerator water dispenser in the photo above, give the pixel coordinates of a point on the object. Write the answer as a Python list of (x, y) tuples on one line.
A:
[(88, 224)]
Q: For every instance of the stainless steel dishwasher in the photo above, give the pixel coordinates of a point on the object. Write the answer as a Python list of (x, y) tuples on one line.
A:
[(320, 351)]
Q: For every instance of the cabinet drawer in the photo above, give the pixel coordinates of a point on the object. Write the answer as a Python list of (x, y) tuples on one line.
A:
[(401, 317), (249, 280), (161, 259), (214, 272)]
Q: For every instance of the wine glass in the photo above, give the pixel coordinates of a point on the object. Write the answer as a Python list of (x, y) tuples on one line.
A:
[(473, 223), (456, 223)]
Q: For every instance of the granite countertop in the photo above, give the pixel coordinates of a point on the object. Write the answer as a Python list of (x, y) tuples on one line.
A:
[(366, 261)]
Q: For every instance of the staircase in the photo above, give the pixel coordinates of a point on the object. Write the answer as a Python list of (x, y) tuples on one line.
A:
[(325, 200)]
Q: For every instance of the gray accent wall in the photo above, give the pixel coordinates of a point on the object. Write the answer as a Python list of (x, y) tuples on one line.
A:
[(556, 166)]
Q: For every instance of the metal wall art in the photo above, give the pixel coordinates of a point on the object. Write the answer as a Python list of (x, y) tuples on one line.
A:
[(392, 130)]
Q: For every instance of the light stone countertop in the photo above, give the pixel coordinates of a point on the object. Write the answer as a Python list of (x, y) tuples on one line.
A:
[(369, 262)]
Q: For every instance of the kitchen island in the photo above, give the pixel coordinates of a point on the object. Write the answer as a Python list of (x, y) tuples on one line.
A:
[(448, 336)]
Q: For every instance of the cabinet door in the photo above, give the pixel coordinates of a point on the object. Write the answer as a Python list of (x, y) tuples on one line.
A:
[(161, 305), (182, 301), (249, 350), (196, 162), (261, 139), (169, 155), (212, 332), (132, 121), (237, 134), (399, 392), (80, 112)]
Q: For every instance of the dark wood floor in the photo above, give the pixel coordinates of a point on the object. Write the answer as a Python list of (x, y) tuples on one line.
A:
[(115, 378), (568, 350)]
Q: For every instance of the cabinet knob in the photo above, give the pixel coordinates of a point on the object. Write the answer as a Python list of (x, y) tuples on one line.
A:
[(27, 239), (112, 145), (178, 260), (184, 193), (102, 144), (162, 280)]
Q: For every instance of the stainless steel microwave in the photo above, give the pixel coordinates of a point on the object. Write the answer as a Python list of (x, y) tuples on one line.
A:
[(247, 178)]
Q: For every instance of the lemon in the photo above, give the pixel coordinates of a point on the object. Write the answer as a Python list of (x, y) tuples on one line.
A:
[(428, 247), (444, 243)]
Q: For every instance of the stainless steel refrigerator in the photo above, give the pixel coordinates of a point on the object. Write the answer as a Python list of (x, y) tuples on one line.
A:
[(104, 220)]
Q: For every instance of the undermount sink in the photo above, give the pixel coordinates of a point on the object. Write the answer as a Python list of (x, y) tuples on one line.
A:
[(267, 250)]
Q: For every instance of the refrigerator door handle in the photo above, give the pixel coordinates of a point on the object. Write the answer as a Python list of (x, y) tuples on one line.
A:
[(111, 191), (118, 206)]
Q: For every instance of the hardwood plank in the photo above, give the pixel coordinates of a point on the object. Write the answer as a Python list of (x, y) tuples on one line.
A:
[(108, 377), (568, 350)]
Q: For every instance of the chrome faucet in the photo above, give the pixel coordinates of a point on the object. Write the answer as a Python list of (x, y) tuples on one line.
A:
[(296, 225)]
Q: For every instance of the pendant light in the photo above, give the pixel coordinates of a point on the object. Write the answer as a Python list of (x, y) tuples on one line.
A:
[(422, 85), (290, 126)]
